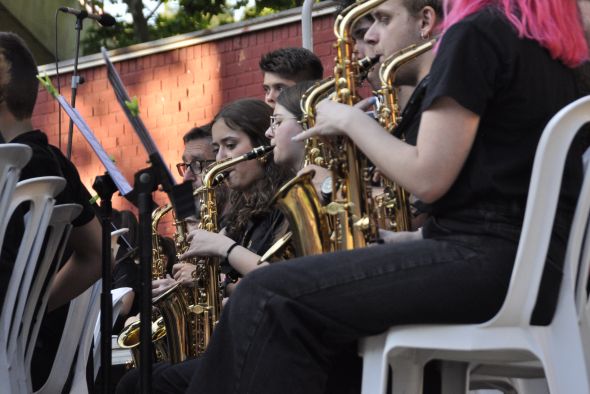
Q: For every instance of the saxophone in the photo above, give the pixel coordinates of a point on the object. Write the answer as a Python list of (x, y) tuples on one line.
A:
[(298, 199), (164, 345), (184, 317), (393, 206), (206, 306), (351, 206)]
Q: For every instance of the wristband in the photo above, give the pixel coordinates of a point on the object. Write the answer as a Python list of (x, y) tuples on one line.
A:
[(229, 251)]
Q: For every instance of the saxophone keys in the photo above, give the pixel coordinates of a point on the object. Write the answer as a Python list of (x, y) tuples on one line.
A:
[(197, 309), (334, 208), (362, 224)]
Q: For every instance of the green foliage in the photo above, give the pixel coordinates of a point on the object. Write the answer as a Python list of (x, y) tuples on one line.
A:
[(133, 106), (192, 15), (46, 83)]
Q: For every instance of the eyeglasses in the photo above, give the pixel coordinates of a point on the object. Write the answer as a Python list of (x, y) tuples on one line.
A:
[(196, 166), (275, 121)]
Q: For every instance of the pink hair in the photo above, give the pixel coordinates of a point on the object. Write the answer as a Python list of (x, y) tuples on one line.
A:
[(554, 24)]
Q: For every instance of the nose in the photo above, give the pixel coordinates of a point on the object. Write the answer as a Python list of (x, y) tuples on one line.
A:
[(269, 133), (270, 97), (220, 154), (188, 175), (371, 36)]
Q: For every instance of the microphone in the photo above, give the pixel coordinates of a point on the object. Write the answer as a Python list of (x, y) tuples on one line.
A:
[(103, 19)]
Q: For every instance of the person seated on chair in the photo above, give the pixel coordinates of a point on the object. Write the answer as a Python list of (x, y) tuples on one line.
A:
[(252, 224), (285, 67), (197, 155), (81, 265), (478, 133)]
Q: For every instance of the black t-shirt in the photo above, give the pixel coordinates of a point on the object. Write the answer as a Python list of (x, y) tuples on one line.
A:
[(515, 87), (260, 234), (407, 130), (46, 160), (408, 127)]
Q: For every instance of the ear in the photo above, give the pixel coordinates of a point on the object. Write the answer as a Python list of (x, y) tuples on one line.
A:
[(428, 22)]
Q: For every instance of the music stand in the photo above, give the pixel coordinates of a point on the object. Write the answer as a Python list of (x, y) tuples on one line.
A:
[(147, 181), (105, 186)]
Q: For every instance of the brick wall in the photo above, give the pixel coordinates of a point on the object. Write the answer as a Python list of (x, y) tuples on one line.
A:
[(177, 90)]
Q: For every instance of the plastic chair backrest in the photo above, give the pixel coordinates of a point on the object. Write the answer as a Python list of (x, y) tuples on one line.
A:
[(80, 307), (540, 211), (584, 254), (40, 192), (13, 157), (58, 235)]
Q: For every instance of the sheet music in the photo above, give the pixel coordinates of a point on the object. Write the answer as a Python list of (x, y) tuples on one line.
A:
[(116, 175)]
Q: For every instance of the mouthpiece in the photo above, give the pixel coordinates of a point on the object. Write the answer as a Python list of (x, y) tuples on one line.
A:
[(219, 178), (368, 62), (259, 152)]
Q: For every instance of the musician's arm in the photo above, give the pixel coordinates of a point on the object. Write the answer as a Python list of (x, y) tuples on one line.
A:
[(82, 269)]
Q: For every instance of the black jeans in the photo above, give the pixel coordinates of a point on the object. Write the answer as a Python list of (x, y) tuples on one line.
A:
[(286, 326)]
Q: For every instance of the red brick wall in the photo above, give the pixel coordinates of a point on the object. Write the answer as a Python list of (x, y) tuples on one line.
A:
[(177, 90)]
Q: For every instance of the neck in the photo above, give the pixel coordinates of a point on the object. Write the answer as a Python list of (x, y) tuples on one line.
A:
[(12, 127), (425, 65)]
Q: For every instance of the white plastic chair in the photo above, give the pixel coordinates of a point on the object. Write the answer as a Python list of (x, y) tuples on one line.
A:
[(13, 157), (81, 328), (40, 193), (508, 337), (81, 309), (58, 234)]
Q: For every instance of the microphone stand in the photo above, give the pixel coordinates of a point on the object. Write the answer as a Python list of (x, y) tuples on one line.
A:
[(76, 80), (105, 187)]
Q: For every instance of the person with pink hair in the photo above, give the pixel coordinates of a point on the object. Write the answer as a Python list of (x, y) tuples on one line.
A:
[(502, 69)]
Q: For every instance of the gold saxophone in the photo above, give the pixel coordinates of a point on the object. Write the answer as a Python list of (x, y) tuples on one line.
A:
[(185, 317), (170, 328), (393, 205), (207, 306), (129, 337), (351, 206), (311, 224)]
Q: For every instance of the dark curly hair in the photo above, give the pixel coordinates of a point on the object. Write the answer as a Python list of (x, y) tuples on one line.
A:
[(294, 64), (252, 117)]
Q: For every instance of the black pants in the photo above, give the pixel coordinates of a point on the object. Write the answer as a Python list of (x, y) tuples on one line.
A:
[(286, 326)]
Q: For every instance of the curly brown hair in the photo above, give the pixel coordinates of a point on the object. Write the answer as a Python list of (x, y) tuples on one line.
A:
[(252, 117)]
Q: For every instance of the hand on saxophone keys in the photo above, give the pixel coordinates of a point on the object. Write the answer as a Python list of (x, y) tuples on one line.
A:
[(332, 119), (159, 286), (206, 243), (184, 273)]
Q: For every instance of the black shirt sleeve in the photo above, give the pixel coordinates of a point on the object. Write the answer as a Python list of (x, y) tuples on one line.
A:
[(464, 69), (47, 160)]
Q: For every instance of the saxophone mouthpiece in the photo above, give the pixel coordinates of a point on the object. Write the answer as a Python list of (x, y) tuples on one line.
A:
[(368, 62), (259, 152), (219, 178)]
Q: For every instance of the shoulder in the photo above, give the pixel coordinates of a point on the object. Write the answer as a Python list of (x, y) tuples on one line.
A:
[(487, 28), (42, 161)]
